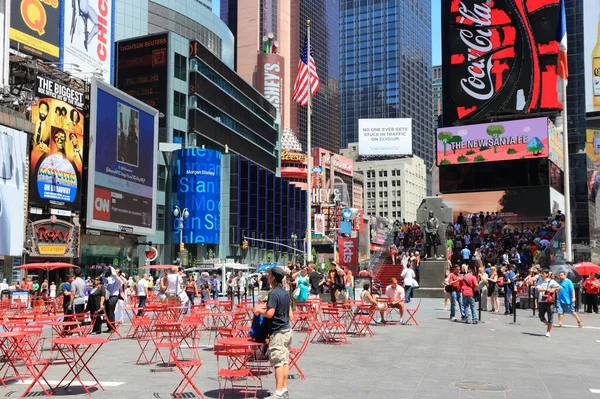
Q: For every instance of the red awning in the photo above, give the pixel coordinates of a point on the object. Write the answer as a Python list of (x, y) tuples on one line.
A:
[(48, 266), (157, 267)]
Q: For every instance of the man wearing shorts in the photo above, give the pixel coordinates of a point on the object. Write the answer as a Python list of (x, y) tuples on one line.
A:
[(546, 289), (566, 300), (279, 330)]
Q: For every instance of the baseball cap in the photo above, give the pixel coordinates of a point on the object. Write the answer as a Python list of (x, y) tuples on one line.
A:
[(277, 272)]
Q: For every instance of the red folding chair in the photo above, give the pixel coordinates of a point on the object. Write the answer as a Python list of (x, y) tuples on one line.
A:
[(237, 358), (412, 312), (86, 323), (362, 320), (141, 332), (188, 368), (165, 336), (36, 367), (334, 330), (296, 354)]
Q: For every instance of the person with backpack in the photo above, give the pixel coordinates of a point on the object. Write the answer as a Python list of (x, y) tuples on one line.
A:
[(279, 331)]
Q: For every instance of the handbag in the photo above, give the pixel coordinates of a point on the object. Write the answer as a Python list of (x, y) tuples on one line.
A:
[(548, 297), (296, 293)]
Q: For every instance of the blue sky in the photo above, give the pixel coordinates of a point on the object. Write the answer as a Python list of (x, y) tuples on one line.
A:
[(436, 33), (436, 36)]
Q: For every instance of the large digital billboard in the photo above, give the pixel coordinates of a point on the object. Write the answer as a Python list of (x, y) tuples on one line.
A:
[(35, 27), (591, 57), (13, 159), (57, 147), (387, 136), (88, 36), (499, 141), (142, 70), (197, 186), (498, 58), (122, 166), (530, 202)]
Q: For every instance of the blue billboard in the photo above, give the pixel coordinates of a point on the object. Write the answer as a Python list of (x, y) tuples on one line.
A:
[(197, 187)]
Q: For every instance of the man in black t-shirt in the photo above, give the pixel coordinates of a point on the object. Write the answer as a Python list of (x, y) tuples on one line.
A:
[(315, 280), (279, 330)]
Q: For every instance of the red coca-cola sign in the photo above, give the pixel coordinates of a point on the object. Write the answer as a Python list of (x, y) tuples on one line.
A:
[(499, 58)]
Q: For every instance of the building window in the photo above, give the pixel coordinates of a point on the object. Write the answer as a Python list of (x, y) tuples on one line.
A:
[(180, 67), (393, 172), (381, 194), (385, 173), (393, 183), (180, 104), (160, 217), (162, 178), (178, 136), (380, 173)]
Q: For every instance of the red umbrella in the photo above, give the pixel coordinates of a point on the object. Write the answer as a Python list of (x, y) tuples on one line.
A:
[(48, 266), (586, 268), (157, 267)]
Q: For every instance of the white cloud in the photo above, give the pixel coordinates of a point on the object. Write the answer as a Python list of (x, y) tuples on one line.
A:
[(462, 133), (526, 129)]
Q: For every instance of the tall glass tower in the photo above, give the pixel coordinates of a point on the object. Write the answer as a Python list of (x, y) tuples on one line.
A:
[(385, 67)]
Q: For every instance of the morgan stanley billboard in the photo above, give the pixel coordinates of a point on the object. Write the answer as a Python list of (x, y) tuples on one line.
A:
[(488, 142)]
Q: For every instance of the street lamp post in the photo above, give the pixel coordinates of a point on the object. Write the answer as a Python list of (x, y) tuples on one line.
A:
[(182, 215), (294, 238)]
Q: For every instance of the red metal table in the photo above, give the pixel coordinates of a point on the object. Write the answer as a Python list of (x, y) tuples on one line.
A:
[(83, 351)]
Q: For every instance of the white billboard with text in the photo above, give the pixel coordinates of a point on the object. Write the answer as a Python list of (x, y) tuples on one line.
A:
[(385, 136)]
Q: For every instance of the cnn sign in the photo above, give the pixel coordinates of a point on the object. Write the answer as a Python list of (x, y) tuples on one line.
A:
[(348, 253)]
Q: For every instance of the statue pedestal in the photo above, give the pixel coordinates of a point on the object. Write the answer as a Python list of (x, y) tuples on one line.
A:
[(432, 273)]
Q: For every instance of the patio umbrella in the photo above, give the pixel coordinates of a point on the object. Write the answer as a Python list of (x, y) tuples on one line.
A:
[(48, 266), (571, 273), (587, 268), (157, 267)]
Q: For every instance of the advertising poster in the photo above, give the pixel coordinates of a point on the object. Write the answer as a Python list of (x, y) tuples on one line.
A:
[(591, 57), (319, 225), (197, 186), (391, 136), (269, 80), (13, 158), (56, 159), (499, 58), (556, 152), (122, 165), (35, 27), (348, 253), (533, 202), (487, 142), (142, 70), (88, 37)]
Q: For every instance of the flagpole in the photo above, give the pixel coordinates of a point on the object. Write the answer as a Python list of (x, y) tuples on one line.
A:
[(308, 256), (567, 179)]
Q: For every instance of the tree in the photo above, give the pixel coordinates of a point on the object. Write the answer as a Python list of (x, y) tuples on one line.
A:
[(535, 146), (456, 140), (445, 138), (495, 131)]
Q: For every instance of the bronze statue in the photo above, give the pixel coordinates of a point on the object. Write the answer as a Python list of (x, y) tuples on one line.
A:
[(431, 228)]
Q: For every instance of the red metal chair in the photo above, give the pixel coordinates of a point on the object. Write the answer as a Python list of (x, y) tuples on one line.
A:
[(165, 336), (36, 366), (141, 332), (334, 330), (412, 312), (237, 358), (362, 320), (188, 368), (296, 354), (86, 323)]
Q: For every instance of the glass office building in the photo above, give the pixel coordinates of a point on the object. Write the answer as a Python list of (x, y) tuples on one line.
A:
[(385, 67)]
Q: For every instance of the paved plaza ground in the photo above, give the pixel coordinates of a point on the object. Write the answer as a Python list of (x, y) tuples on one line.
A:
[(437, 359)]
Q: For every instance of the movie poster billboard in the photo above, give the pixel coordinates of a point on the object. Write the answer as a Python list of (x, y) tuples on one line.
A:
[(13, 158), (88, 37), (488, 142), (35, 28), (142, 70), (197, 186), (56, 158), (123, 162), (499, 58), (591, 54)]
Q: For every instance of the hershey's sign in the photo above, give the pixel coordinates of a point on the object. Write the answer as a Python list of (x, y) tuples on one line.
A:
[(270, 80)]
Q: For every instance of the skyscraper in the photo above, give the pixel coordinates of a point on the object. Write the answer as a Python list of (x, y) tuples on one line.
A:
[(385, 67), (438, 98), (251, 20)]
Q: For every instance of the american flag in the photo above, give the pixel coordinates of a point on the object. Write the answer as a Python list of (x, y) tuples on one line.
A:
[(301, 85)]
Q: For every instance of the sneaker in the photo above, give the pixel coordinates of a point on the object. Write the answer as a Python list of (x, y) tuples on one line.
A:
[(275, 396), (475, 322), (547, 335), (453, 319), (286, 395), (401, 322)]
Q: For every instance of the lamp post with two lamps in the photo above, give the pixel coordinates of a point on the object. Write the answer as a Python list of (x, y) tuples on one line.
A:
[(181, 215)]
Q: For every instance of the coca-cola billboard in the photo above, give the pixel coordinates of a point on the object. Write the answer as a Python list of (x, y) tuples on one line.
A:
[(499, 58)]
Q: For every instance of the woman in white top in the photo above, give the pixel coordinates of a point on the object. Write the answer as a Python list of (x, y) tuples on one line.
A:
[(410, 281), (52, 290), (371, 300)]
